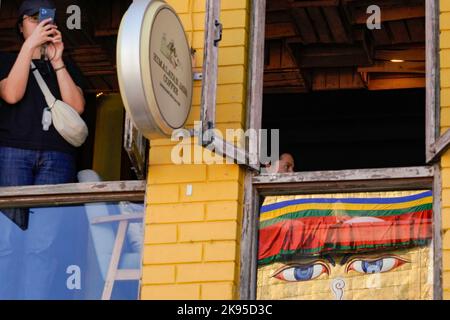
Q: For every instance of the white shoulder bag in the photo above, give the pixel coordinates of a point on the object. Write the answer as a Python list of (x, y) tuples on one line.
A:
[(66, 120)]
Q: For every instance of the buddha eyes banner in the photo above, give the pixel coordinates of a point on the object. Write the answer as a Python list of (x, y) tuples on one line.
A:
[(346, 246)]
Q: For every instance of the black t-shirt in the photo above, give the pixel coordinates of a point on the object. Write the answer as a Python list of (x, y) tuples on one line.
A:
[(21, 124)]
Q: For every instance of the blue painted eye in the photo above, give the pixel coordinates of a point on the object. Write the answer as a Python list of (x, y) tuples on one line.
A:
[(301, 272), (372, 266), (304, 273), (376, 266)]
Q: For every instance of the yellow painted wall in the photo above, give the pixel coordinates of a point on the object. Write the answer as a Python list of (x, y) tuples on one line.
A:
[(192, 242), (445, 124), (108, 132)]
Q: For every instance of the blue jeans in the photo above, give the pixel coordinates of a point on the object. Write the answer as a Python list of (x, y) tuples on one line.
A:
[(27, 263)]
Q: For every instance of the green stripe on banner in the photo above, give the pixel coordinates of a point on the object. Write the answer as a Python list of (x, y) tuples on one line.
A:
[(340, 249), (352, 213)]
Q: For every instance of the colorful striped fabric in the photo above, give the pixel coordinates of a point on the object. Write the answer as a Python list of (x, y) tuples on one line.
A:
[(308, 226)]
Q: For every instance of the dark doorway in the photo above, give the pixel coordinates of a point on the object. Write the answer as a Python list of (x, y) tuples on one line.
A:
[(349, 129)]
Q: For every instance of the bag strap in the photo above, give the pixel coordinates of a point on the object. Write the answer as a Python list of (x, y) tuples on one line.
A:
[(49, 97)]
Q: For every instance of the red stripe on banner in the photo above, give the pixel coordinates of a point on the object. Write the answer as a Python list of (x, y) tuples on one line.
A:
[(310, 233)]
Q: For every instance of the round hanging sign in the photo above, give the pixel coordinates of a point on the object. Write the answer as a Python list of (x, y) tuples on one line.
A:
[(154, 68)]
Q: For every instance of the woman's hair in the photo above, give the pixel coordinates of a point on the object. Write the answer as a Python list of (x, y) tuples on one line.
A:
[(18, 26)]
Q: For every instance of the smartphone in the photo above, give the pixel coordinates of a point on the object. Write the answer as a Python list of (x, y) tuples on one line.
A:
[(45, 13)]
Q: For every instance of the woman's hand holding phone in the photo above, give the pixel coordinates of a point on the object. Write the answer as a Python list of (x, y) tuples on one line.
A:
[(42, 34), (55, 51)]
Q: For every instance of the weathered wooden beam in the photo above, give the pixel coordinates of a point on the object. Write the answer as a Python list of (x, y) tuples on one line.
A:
[(437, 234), (278, 5), (432, 107), (210, 69), (280, 30), (70, 194), (249, 234), (305, 28), (332, 56), (410, 178), (395, 83), (277, 75), (314, 3), (249, 241), (348, 175), (441, 145), (106, 32), (406, 53), (128, 274), (232, 153), (277, 16), (416, 28), (399, 32), (391, 13), (256, 75), (338, 26), (119, 217), (320, 25), (285, 89), (389, 67), (336, 79), (366, 3), (381, 37)]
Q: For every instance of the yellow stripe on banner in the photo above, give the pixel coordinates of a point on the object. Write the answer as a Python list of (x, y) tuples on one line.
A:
[(363, 195), (343, 206)]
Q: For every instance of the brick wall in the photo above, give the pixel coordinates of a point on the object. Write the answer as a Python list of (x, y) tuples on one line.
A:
[(192, 242)]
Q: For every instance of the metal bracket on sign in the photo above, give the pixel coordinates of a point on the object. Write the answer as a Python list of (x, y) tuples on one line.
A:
[(218, 31)]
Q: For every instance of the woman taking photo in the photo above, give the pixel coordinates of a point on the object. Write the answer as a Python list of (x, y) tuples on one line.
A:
[(30, 155)]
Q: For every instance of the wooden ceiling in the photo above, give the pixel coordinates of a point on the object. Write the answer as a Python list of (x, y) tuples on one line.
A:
[(326, 45), (92, 48), (311, 45)]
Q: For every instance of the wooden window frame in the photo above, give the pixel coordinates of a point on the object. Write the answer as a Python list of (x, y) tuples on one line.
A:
[(382, 179), (206, 137), (436, 144), (441, 145), (342, 181), (81, 194), (71, 194), (137, 148)]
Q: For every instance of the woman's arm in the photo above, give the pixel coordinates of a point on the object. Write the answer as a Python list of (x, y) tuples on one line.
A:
[(70, 92), (12, 88)]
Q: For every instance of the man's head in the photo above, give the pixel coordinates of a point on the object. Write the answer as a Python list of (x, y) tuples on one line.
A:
[(284, 165), (29, 15)]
